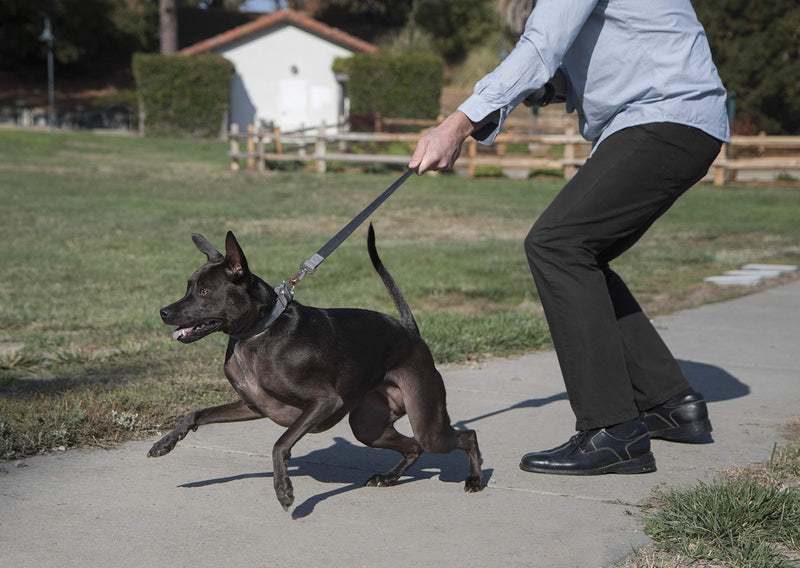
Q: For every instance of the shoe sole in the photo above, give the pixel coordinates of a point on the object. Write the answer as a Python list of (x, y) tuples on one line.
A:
[(687, 431), (643, 464)]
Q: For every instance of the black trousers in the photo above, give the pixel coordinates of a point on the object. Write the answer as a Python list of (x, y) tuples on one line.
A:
[(613, 361)]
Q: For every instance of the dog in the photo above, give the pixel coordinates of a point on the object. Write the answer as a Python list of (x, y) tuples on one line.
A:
[(311, 366)]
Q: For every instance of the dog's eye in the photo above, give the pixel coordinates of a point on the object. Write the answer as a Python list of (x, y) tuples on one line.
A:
[(203, 292)]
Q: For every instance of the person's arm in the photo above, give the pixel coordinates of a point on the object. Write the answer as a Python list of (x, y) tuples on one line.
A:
[(551, 29)]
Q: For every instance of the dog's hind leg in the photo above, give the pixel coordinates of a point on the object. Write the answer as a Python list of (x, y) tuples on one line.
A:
[(372, 424), (468, 441), (424, 397), (232, 412)]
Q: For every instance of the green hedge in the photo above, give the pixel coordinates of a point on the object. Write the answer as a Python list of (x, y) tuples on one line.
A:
[(393, 85), (182, 95)]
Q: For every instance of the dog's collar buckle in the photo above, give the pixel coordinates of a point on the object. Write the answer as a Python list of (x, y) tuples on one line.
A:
[(285, 293)]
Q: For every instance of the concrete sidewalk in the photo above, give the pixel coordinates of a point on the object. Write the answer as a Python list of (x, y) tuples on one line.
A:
[(211, 503)]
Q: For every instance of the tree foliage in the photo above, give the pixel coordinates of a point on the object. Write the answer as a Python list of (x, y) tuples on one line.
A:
[(756, 46), (90, 35), (457, 25)]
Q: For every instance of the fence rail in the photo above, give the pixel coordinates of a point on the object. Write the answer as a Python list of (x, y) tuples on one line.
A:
[(743, 153)]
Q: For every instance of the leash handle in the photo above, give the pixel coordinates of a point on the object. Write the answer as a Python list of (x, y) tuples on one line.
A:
[(310, 265)]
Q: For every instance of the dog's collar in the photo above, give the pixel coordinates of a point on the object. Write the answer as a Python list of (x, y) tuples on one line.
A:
[(285, 293)]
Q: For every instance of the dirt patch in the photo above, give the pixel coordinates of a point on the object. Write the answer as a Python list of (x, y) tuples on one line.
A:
[(791, 430)]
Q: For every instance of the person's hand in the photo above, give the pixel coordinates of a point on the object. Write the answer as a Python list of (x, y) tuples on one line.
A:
[(439, 148)]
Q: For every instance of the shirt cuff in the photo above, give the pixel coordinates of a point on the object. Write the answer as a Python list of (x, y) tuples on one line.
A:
[(478, 110)]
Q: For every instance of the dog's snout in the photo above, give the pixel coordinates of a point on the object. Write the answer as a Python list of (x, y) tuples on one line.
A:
[(165, 313)]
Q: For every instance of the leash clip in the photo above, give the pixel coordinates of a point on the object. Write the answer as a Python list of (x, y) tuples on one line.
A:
[(309, 266)]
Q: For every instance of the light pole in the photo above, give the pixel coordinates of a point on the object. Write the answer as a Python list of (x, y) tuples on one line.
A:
[(47, 36)]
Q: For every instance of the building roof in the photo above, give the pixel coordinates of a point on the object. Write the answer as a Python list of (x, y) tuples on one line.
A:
[(276, 19)]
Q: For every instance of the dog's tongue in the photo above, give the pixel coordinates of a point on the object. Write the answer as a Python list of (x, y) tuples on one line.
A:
[(178, 333)]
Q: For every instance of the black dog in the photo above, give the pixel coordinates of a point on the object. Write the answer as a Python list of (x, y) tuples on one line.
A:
[(310, 367)]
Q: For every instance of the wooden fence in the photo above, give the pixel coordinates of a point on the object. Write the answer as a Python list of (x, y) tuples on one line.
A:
[(257, 147), (780, 154)]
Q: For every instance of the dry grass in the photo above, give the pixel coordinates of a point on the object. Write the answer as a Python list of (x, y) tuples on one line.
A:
[(779, 474)]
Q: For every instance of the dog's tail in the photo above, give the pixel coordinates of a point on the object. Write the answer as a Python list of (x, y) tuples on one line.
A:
[(406, 317)]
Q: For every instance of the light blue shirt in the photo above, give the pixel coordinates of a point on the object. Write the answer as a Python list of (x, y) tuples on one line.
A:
[(627, 62)]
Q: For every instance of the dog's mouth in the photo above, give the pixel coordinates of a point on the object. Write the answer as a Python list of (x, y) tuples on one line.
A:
[(197, 331)]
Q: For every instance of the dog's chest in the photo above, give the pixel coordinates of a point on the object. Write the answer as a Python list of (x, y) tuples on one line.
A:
[(250, 386)]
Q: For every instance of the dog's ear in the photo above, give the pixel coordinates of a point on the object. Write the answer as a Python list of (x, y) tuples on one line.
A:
[(206, 248), (235, 262)]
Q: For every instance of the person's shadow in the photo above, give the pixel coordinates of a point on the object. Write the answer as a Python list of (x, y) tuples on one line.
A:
[(352, 465), (715, 383)]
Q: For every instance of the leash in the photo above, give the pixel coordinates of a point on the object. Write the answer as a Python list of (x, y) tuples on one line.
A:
[(285, 290)]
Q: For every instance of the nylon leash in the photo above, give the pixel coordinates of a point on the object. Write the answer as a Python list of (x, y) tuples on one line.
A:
[(285, 290), (310, 266)]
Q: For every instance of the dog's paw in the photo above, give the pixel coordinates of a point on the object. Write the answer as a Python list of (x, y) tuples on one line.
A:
[(285, 494), (473, 484), (380, 480)]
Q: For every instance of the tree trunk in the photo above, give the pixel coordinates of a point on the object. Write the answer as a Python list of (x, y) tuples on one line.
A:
[(168, 26)]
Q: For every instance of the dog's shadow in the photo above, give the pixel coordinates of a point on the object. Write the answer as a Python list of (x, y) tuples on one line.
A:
[(352, 465)]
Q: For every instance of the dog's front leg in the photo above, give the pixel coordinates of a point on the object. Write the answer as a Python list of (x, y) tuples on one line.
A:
[(314, 414), (231, 412)]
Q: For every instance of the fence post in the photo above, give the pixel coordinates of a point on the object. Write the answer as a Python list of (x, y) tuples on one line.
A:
[(762, 148), (260, 152), (721, 166), (378, 122), (278, 144), (340, 129), (251, 163), (472, 152), (235, 147), (569, 155), (320, 148), (302, 143), (501, 147)]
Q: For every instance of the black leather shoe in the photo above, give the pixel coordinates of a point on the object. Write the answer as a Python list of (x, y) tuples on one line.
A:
[(624, 448), (682, 417)]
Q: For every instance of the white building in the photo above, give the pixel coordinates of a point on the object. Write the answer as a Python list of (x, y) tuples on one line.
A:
[(283, 70)]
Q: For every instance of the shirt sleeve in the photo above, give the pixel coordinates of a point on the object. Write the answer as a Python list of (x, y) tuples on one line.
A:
[(549, 32)]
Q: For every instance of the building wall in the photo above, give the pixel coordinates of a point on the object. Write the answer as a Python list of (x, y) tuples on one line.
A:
[(284, 76)]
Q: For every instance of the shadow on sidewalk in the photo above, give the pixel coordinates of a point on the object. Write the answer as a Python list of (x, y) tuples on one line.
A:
[(347, 463), (530, 403), (715, 383)]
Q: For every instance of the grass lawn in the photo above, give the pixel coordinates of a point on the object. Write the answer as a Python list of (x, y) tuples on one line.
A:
[(96, 234)]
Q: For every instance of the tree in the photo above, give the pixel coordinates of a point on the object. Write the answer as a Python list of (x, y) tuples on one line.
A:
[(90, 35), (456, 25), (755, 46), (366, 19)]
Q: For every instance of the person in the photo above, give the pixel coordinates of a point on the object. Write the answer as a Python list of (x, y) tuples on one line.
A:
[(641, 78)]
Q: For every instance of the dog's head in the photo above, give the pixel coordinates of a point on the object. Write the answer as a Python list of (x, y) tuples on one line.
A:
[(219, 296)]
